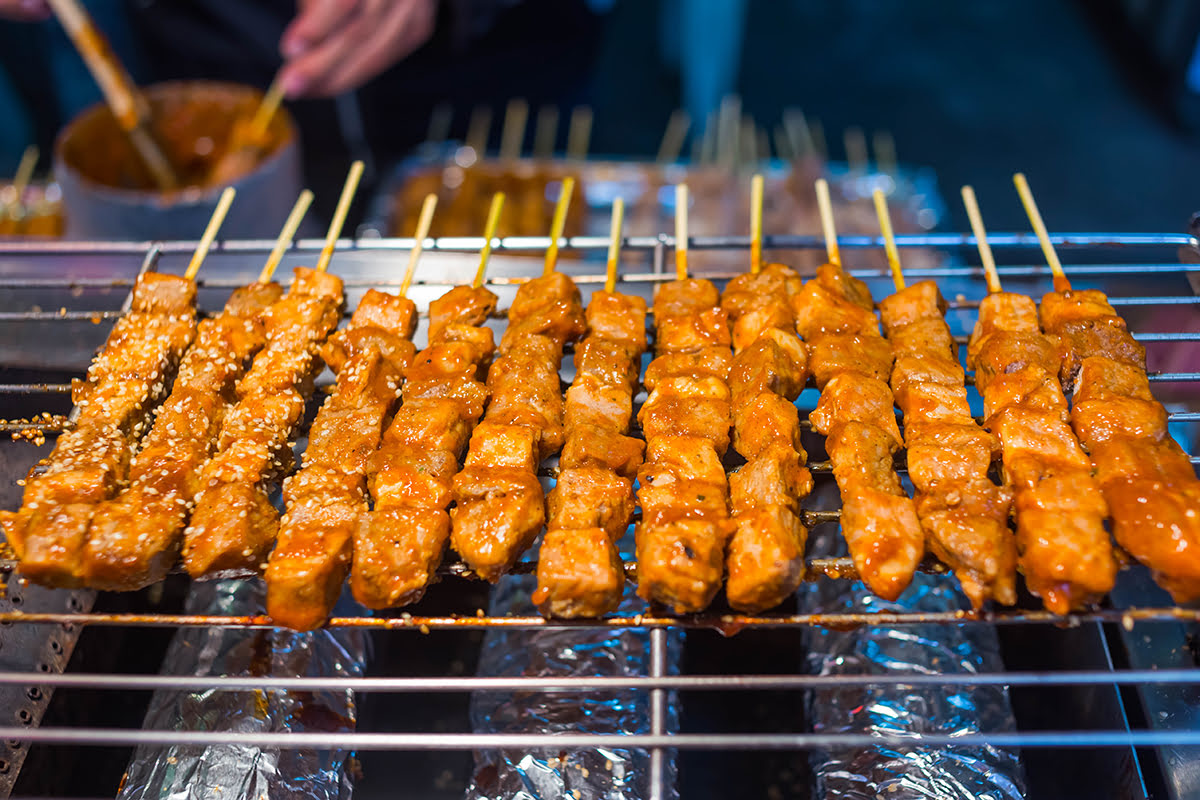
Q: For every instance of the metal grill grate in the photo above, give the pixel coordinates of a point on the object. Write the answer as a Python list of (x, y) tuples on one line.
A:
[(1090, 257)]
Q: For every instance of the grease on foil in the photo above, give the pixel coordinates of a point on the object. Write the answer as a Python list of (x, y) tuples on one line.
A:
[(233, 772), (558, 774), (917, 773)]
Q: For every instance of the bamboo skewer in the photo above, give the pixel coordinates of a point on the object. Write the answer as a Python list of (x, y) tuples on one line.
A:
[(985, 249), (489, 233), (127, 104), (1061, 283), (290, 226), (885, 152), (672, 141), (545, 135), (783, 144), (816, 133), (423, 224), (825, 208), (559, 223), (855, 142), (339, 215), (614, 245), (479, 129), (681, 232), (579, 134), (756, 223), (210, 232), (512, 135), (266, 111), (20, 183), (889, 238)]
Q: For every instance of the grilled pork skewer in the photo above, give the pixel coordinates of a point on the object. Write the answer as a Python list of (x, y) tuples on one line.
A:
[(579, 568), (964, 514), (851, 363), (765, 560), (234, 526), (686, 419), (1147, 479), (1064, 551), (90, 463), (499, 502), (136, 537)]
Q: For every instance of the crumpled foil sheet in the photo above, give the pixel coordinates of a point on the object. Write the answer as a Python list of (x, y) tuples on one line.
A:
[(233, 772), (918, 773), (553, 774)]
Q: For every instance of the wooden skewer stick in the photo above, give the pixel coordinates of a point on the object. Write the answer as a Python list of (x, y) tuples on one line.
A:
[(210, 233), (885, 152), (783, 144), (681, 232), (440, 120), (559, 223), (855, 142), (889, 238), (290, 226), (1061, 284), (614, 244), (489, 233), (423, 224), (756, 223), (816, 132), (21, 181), (825, 207), (266, 110), (479, 129), (127, 104), (339, 215), (545, 135), (579, 134), (799, 133), (512, 135), (672, 140), (985, 249)]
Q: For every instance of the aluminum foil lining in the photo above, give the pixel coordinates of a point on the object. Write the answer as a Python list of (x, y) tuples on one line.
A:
[(234, 772), (554, 774), (951, 773)]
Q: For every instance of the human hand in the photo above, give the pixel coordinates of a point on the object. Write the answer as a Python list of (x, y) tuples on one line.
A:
[(24, 10), (333, 46)]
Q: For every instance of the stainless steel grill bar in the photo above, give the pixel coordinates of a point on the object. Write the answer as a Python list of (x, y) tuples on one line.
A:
[(653, 683), (108, 737), (724, 623)]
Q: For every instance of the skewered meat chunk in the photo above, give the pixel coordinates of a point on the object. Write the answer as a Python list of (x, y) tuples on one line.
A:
[(1001, 313), (1124, 459), (590, 402), (345, 345), (310, 564), (844, 285), (1037, 444), (776, 477), (445, 359), (914, 304), (535, 295), (928, 337), (764, 420), (691, 332), (765, 558), (619, 319), (561, 321), (1030, 387), (748, 290), (967, 529), (820, 312), (346, 438), (434, 424), (239, 526), (861, 455), (1097, 421), (607, 363), (884, 537), (499, 513), (134, 540), (250, 301), (714, 361), (918, 369), (687, 416), (942, 455), (776, 362), (467, 393), (589, 446), (1080, 340), (506, 446), (1009, 352), (1157, 523), (749, 326), (848, 397), (464, 305), (684, 297), (1102, 378), (415, 476), (397, 550), (868, 355), (168, 295), (387, 312), (579, 573), (591, 498), (934, 401), (681, 561)]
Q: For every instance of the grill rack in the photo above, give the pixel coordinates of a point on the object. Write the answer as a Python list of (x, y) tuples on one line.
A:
[(47, 677)]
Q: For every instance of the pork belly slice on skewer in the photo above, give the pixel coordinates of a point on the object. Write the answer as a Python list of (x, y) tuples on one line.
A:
[(309, 565), (90, 463), (964, 514), (233, 525), (399, 545), (136, 538)]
